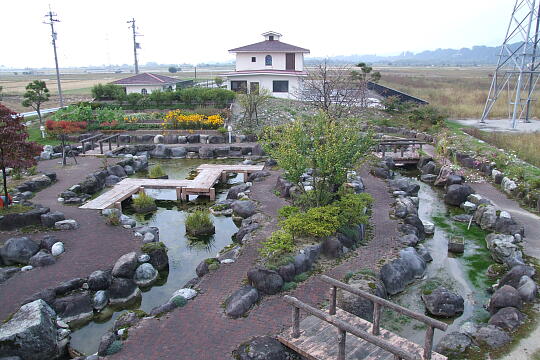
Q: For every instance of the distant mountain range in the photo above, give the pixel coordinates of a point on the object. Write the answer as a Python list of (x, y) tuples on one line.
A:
[(477, 55)]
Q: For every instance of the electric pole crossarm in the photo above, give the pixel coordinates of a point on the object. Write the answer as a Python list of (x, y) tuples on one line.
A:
[(52, 19), (135, 43)]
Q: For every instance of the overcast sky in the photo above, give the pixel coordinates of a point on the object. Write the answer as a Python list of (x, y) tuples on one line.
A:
[(95, 32)]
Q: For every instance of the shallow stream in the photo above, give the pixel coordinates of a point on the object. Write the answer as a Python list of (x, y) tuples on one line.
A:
[(184, 255), (464, 274)]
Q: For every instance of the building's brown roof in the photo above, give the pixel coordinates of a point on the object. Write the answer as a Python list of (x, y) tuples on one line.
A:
[(270, 46), (146, 79)]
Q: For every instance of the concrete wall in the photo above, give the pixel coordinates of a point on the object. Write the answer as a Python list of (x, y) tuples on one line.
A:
[(243, 61), (265, 81), (149, 88)]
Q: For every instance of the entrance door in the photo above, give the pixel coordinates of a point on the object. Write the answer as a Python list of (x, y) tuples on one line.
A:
[(254, 87), (289, 61)]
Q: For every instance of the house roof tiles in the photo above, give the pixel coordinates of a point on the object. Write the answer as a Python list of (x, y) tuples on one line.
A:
[(270, 46), (146, 79)]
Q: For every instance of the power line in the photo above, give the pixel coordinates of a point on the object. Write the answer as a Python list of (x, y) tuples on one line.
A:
[(52, 19), (136, 45)]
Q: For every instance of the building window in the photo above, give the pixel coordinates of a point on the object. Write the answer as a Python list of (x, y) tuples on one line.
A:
[(144, 91), (253, 59), (268, 60), (271, 37), (280, 86), (239, 86)]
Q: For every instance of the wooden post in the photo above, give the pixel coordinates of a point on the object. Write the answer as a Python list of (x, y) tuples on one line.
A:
[(178, 193), (223, 177), (212, 194), (402, 150), (332, 310), (341, 344), (101, 147), (118, 205), (428, 344), (141, 190), (376, 319), (246, 175), (296, 322), (110, 146), (383, 151), (83, 149), (184, 196)]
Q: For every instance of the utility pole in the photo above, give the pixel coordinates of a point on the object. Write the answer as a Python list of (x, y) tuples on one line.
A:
[(52, 19), (136, 45)]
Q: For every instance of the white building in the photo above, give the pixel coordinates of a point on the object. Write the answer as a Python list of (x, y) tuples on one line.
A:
[(269, 64), (145, 83)]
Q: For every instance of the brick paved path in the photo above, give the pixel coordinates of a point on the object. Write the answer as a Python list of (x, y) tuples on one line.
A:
[(95, 245), (201, 331)]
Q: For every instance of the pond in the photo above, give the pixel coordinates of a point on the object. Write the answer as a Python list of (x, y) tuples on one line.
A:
[(464, 274), (184, 255)]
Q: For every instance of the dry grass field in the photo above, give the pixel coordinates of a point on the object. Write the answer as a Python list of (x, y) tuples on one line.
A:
[(460, 91), (76, 86)]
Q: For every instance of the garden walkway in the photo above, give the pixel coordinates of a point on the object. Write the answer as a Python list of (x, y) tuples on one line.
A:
[(95, 245), (201, 331)]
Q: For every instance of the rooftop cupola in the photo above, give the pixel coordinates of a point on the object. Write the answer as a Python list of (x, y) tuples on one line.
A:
[(271, 36)]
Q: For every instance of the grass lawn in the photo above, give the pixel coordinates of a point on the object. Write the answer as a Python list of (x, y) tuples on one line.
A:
[(35, 135)]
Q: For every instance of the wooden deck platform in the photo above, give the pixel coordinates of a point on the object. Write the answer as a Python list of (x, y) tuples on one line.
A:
[(202, 184), (318, 340)]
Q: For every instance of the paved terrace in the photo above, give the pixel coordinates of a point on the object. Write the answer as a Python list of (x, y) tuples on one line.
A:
[(202, 184)]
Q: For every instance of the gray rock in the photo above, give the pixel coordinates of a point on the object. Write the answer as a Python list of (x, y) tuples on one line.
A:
[(129, 170), (145, 275), (126, 320), (106, 340), (302, 263), (202, 269), (241, 301), (164, 308), (99, 280), (507, 318), (464, 218), (30, 333), (358, 305), (258, 176), (428, 178), (206, 152), (508, 226), (287, 272), (456, 194), (68, 286), (74, 308), (415, 263), (50, 218), (283, 186), (415, 221), (267, 281), (7, 272), (244, 208), (405, 206), (492, 336), (158, 257), (18, 250), (143, 258), (332, 248), (244, 230), (505, 296), (486, 217), (68, 224), (57, 248), (429, 168), (405, 184), (127, 221), (235, 190), (42, 258), (468, 206), (262, 348), (527, 289), (125, 266), (396, 275), (490, 238), (514, 275), (160, 152), (508, 185), (192, 139), (100, 300), (424, 253), (117, 170), (122, 291), (506, 253), (453, 344), (178, 152), (112, 180), (442, 302)]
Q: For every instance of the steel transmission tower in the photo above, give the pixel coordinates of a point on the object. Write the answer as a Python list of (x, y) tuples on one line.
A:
[(52, 19), (518, 65), (136, 45)]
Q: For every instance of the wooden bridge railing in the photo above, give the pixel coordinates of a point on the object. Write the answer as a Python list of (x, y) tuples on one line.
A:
[(398, 144), (91, 140), (108, 139), (343, 328), (379, 304)]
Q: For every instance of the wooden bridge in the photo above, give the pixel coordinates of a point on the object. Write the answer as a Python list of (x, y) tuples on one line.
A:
[(322, 335), (202, 184), (403, 151)]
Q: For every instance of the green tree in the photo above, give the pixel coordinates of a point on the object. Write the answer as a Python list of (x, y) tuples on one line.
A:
[(218, 80), (253, 103), (172, 69), (35, 95), (1, 94), (157, 96), (330, 148)]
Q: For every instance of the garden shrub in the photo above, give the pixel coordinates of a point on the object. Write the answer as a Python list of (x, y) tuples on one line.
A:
[(301, 277), (198, 221), (289, 286), (115, 347), (279, 243), (113, 219), (149, 248), (156, 171), (176, 119), (317, 222), (144, 201), (288, 210), (107, 91)]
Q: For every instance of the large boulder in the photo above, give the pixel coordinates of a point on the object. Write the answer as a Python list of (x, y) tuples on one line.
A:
[(18, 250), (414, 262), (262, 348), (287, 272), (456, 194), (258, 176), (125, 266), (178, 152), (332, 248), (244, 208), (112, 180), (158, 255), (68, 286), (244, 230), (453, 344), (283, 186), (145, 274), (406, 185), (31, 333), (99, 280), (50, 218), (267, 281), (404, 207), (235, 190), (486, 217), (507, 318), (117, 170), (123, 290), (160, 152), (206, 152), (429, 168), (442, 302), (505, 296), (415, 221), (75, 308), (505, 252), (527, 289), (396, 275), (18, 220), (100, 299), (505, 225), (359, 305), (492, 336), (42, 258), (90, 185), (241, 301), (514, 275)]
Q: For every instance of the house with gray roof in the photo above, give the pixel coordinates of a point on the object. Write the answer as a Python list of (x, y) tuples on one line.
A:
[(270, 64), (145, 83)]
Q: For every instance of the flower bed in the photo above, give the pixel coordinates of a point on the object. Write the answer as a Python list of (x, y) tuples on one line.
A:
[(176, 119)]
